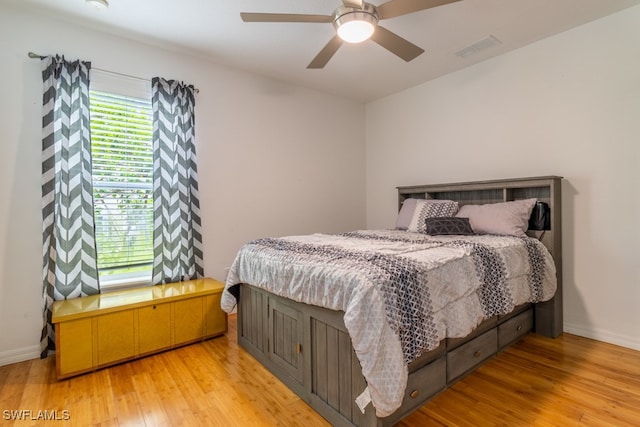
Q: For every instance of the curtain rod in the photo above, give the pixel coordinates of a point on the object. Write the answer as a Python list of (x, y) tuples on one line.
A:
[(33, 55)]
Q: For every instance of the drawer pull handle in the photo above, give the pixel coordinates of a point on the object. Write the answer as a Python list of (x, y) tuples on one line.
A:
[(477, 354), (519, 328), (414, 394), (298, 348), (154, 307)]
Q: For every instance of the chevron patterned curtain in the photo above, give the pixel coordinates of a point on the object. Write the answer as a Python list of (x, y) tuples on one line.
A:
[(177, 236), (68, 242)]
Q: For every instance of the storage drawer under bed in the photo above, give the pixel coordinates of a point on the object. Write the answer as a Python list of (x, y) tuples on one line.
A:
[(466, 357), (514, 328), (422, 384)]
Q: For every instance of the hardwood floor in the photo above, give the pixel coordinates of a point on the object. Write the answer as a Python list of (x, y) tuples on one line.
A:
[(537, 382)]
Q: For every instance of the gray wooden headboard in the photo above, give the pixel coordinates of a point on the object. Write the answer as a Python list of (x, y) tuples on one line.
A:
[(548, 318)]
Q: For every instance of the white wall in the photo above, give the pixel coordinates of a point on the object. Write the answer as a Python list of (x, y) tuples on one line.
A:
[(568, 105), (270, 162)]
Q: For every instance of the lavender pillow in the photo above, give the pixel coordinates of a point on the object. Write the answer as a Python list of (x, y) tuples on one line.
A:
[(507, 218), (405, 214)]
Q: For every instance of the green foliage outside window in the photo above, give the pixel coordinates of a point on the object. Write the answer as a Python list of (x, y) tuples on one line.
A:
[(121, 143)]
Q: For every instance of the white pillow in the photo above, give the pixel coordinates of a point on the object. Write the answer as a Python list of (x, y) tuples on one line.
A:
[(507, 218)]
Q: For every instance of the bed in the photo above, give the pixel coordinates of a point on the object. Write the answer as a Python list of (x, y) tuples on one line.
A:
[(368, 325)]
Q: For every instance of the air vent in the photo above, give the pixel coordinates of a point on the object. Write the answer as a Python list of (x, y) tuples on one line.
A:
[(478, 46)]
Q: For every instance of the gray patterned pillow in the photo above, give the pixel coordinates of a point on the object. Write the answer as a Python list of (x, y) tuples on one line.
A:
[(448, 225), (428, 209)]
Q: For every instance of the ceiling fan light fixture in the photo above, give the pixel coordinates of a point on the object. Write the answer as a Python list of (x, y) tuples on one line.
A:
[(355, 25), (356, 31)]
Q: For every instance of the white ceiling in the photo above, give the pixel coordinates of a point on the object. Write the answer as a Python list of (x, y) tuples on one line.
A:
[(364, 72)]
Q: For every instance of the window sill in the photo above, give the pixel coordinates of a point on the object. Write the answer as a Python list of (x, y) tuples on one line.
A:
[(118, 282)]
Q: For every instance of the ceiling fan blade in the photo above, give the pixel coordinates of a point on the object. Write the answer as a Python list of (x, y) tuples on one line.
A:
[(284, 17), (396, 44), (353, 3), (326, 53), (394, 8)]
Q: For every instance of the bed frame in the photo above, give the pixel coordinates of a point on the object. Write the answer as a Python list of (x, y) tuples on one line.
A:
[(309, 349)]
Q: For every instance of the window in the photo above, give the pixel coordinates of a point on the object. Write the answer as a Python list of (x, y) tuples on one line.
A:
[(121, 145)]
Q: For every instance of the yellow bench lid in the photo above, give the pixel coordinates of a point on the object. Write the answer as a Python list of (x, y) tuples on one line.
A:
[(131, 298)]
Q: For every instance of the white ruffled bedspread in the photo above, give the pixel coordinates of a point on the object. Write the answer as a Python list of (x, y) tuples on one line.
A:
[(401, 292)]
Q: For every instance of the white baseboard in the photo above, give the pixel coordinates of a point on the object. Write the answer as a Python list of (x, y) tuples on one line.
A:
[(19, 355), (601, 335)]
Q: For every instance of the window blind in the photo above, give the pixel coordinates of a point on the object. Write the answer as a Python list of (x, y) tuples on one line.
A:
[(122, 160)]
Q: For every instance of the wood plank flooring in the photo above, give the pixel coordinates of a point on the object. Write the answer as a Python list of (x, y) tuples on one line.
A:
[(537, 382)]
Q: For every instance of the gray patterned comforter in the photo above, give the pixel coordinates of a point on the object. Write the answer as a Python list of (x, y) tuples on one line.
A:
[(401, 292)]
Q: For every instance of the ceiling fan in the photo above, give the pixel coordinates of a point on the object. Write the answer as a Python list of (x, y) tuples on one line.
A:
[(356, 21)]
